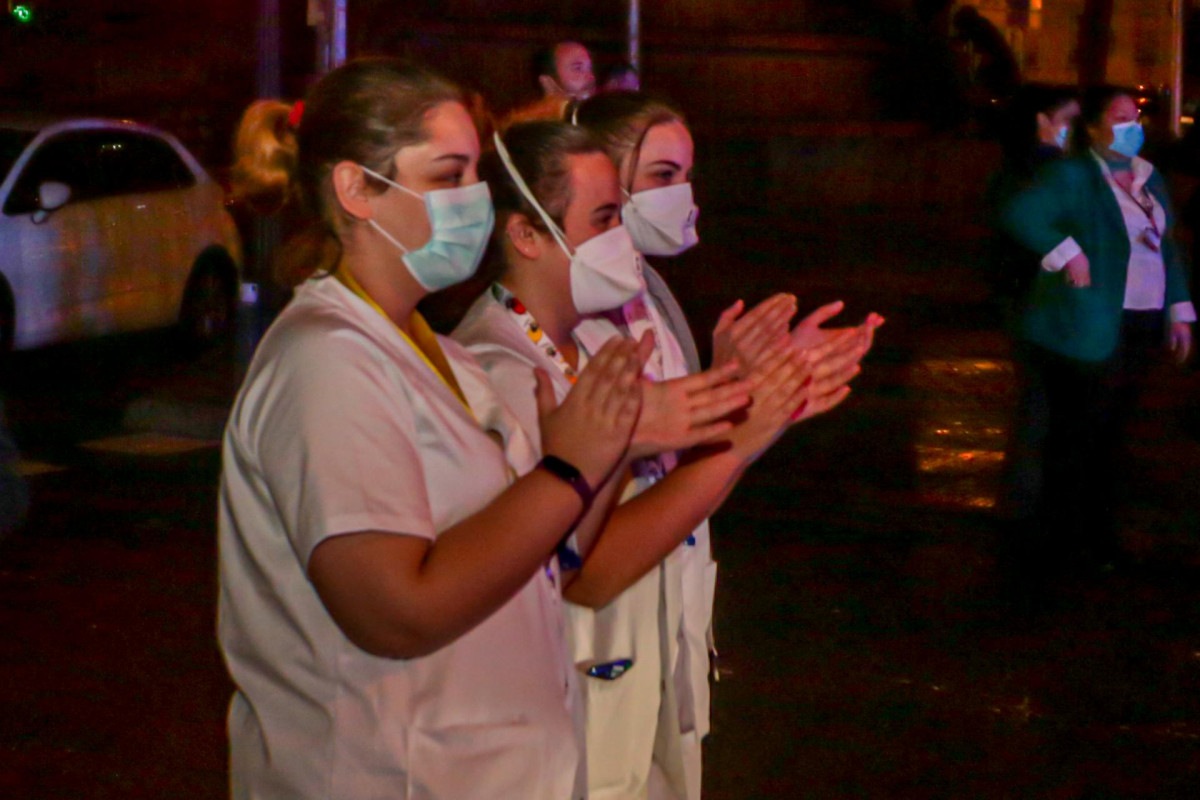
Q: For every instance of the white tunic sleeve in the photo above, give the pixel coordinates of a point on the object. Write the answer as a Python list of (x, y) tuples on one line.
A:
[(338, 444)]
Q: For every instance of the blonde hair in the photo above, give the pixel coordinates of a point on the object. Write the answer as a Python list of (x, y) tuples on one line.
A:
[(266, 153), (621, 120), (363, 112)]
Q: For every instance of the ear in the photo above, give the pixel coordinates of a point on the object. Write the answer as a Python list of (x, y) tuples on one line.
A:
[(525, 238), (350, 185), (550, 86)]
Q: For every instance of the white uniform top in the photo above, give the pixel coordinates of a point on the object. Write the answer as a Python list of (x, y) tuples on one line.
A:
[(340, 427), (631, 719)]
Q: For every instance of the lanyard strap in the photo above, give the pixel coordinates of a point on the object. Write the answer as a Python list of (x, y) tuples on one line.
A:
[(423, 340), (1149, 212), (533, 331)]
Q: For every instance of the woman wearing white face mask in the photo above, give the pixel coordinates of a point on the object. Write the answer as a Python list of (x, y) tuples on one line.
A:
[(650, 144), (1110, 294), (389, 607), (566, 260)]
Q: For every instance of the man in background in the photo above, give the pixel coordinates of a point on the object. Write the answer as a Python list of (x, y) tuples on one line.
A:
[(565, 70)]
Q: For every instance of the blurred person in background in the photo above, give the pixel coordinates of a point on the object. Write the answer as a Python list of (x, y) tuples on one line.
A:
[(564, 75), (1036, 131), (389, 607), (1111, 293), (565, 70)]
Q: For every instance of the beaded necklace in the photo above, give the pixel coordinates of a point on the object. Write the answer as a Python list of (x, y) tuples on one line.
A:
[(534, 331)]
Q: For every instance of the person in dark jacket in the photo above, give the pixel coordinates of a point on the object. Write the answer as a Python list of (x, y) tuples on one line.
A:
[(1110, 292)]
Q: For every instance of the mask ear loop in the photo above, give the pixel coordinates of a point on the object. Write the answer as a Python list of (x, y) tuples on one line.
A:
[(523, 187), (379, 228)]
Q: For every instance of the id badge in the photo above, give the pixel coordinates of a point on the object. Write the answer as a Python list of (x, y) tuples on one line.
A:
[(606, 670)]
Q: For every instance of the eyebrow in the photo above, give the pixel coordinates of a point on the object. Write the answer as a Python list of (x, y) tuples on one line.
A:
[(464, 159), (607, 207), (667, 162)]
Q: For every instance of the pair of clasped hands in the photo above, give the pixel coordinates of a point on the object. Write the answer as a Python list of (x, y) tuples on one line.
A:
[(766, 376)]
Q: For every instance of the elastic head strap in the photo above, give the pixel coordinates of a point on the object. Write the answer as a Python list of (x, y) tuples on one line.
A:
[(523, 187)]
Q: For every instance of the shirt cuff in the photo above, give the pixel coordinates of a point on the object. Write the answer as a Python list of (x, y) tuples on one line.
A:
[(1057, 258), (1183, 312)]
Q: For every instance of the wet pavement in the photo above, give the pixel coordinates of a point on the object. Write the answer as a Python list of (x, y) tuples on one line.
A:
[(869, 646)]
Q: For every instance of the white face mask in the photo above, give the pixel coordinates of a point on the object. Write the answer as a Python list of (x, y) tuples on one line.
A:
[(606, 270), (662, 221)]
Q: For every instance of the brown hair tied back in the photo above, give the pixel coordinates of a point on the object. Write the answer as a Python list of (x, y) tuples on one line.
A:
[(540, 152), (621, 120), (364, 112)]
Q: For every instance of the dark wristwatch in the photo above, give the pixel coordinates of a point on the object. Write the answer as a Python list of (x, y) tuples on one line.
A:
[(571, 476)]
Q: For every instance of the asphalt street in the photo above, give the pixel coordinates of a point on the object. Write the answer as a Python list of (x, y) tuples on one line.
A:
[(868, 645)]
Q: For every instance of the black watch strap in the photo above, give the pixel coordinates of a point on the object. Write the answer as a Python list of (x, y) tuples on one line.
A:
[(569, 475)]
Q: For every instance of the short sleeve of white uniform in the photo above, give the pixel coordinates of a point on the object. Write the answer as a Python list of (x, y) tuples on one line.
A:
[(336, 439), (513, 379)]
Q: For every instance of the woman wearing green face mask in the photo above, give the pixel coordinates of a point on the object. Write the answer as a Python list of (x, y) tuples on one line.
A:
[(389, 607), (1111, 294)]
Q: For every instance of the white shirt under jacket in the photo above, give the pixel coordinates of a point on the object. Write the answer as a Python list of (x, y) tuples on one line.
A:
[(629, 720), (341, 427)]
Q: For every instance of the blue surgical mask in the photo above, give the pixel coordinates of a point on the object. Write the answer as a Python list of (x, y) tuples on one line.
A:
[(1060, 138), (461, 219), (1128, 138)]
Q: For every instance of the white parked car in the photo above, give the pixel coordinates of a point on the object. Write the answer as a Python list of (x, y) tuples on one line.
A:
[(109, 226)]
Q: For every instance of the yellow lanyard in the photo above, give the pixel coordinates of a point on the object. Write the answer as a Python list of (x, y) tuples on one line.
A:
[(423, 340)]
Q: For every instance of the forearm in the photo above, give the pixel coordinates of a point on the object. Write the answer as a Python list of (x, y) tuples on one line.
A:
[(402, 596), (643, 531), (587, 532)]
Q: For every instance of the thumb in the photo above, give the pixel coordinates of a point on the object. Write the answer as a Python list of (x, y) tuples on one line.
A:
[(728, 316), (645, 347), (546, 401)]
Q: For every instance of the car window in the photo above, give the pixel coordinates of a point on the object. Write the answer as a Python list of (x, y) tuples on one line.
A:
[(99, 163), (12, 144), (152, 165)]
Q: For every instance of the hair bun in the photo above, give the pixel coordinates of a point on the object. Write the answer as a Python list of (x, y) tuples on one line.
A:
[(266, 155)]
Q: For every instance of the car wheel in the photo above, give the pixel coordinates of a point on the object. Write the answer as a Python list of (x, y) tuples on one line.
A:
[(207, 314)]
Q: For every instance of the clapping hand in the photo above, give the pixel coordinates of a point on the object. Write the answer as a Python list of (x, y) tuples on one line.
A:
[(592, 427), (689, 411), (746, 338)]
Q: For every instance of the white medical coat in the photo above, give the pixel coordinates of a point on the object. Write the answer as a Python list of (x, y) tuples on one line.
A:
[(341, 427)]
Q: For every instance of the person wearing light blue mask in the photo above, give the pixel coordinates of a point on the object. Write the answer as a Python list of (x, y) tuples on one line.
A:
[(460, 219), (1110, 295), (1036, 134), (389, 610)]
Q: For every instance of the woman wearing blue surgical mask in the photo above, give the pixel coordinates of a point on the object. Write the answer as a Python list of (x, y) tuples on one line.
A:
[(389, 607), (1110, 296)]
